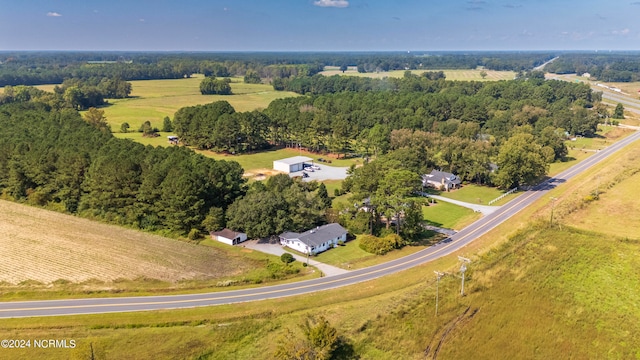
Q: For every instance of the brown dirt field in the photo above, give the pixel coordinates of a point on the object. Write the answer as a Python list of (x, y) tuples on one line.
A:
[(45, 246), (260, 174)]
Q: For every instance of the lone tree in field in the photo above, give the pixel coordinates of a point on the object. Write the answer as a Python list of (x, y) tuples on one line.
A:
[(618, 113), (483, 74)]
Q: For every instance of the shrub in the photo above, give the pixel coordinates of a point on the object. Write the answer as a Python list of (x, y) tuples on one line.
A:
[(287, 258), (380, 246), (194, 234)]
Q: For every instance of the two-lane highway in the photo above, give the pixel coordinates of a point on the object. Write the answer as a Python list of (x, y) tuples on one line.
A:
[(452, 244)]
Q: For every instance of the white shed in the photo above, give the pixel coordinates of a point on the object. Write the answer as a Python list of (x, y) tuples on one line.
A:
[(291, 164), (229, 237)]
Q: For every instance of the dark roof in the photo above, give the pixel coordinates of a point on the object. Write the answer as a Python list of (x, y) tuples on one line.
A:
[(441, 177), (226, 233), (317, 236)]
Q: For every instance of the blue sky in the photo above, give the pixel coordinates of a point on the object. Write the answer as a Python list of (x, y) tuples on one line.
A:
[(319, 25)]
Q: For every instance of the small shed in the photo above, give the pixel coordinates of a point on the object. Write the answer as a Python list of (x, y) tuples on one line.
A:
[(292, 164), (229, 237)]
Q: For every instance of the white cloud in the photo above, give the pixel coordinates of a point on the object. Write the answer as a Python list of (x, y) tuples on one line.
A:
[(331, 3), (621, 32), (53, 14)]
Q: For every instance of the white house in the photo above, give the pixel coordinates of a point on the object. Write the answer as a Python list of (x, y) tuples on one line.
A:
[(292, 164), (229, 237), (316, 240), (441, 180)]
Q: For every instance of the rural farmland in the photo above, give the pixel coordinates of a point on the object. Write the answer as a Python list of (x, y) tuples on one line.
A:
[(44, 247)]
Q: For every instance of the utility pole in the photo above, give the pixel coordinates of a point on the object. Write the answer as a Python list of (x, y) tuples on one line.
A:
[(438, 276), (553, 204), (463, 268)]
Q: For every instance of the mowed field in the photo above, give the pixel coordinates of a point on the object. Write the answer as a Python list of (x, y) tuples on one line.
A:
[(45, 246), (461, 75), (152, 100)]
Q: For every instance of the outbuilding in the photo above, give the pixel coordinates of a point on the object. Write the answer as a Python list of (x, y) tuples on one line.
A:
[(228, 237), (292, 164)]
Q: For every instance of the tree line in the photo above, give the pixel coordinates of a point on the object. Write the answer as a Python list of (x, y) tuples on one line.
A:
[(73, 93), (615, 67), (35, 68)]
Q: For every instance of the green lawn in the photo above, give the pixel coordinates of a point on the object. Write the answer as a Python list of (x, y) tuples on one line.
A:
[(444, 214), (153, 141), (264, 160), (477, 194), (351, 256)]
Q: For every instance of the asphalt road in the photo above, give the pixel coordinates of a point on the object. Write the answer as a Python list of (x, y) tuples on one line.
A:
[(450, 245)]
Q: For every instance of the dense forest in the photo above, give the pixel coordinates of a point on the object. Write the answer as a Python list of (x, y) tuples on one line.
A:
[(58, 160), (613, 67), (349, 114)]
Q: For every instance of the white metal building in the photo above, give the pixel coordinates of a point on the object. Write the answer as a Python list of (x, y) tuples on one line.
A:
[(291, 164)]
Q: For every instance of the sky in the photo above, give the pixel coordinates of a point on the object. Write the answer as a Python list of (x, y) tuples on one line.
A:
[(319, 25)]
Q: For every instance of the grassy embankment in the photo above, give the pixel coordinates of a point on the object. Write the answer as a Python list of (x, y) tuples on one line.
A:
[(534, 292)]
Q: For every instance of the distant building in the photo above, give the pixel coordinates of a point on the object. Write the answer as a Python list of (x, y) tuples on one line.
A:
[(292, 164), (586, 75), (441, 180), (228, 237), (316, 240)]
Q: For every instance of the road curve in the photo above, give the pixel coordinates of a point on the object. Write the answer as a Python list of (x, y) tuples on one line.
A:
[(450, 245)]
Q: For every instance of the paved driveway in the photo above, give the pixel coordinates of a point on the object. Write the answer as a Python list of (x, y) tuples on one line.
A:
[(277, 249), (326, 172)]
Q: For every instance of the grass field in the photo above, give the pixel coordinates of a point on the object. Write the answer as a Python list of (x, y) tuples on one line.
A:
[(461, 75), (351, 256), (154, 99)]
